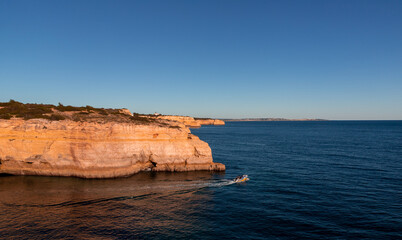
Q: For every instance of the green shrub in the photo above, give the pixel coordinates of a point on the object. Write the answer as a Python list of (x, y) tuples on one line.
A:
[(138, 118), (68, 108), (56, 117), (89, 108), (103, 112), (5, 116), (46, 111), (26, 111)]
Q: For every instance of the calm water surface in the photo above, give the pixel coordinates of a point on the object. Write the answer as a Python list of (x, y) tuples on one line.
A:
[(315, 180)]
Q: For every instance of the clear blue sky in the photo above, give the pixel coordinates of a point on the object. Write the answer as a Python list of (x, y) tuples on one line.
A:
[(222, 58)]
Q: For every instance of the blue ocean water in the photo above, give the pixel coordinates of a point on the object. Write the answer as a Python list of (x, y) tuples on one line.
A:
[(308, 180)]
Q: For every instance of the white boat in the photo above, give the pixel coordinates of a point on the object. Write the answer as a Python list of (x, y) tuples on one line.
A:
[(241, 178)]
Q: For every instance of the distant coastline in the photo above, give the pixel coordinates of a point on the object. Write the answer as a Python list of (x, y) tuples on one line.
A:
[(271, 119)]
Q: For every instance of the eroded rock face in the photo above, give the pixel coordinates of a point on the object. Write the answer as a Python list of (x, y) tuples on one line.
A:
[(188, 121), (125, 111), (210, 122), (192, 122), (98, 150)]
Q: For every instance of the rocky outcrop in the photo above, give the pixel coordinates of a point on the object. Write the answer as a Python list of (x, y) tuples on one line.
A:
[(125, 111), (99, 149), (273, 119), (209, 121), (188, 121), (192, 122)]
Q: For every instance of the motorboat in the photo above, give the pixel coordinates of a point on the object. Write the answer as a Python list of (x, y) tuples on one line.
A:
[(241, 178)]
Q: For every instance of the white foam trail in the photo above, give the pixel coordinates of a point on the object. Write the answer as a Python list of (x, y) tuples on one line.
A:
[(203, 184), (220, 183), (193, 185)]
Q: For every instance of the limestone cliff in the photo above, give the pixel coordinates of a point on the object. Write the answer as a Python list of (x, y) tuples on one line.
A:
[(207, 121), (95, 143), (188, 121), (192, 122), (98, 150)]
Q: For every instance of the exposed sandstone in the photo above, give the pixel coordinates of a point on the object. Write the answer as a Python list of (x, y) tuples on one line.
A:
[(99, 149), (192, 122), (210, 121), (125, 111), (188, 121)]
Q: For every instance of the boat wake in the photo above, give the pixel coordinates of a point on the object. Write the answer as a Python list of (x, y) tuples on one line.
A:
[(153, 191), (208, 184)]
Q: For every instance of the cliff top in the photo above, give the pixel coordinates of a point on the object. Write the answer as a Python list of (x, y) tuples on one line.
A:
[(14, 109)]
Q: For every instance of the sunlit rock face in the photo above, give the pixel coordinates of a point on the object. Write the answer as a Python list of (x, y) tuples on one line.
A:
[(99, 150), (192, 122), (210, 122), (188, 121)]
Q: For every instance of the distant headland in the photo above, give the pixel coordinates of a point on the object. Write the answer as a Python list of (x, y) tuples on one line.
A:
[(271, 119)]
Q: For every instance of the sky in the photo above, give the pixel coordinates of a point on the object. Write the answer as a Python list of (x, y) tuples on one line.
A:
[(339, 59)]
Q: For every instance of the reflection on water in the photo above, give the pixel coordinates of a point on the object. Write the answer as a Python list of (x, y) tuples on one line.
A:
[(309, 180), (160, 204)]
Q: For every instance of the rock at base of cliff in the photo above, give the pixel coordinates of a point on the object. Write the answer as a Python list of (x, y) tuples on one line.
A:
[(189, 167), (114, 172)]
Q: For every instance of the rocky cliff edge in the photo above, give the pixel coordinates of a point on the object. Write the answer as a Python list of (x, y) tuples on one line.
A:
[(192, 122), (96, 147)]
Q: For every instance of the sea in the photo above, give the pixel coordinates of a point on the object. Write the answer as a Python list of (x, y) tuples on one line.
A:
[(308, 180)]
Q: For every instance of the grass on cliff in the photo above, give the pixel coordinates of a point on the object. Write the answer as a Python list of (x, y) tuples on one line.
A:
[(14, 109)]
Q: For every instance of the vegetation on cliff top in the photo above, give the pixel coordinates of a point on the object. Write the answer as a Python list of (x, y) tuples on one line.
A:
[(202, 118), (14, 109)]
